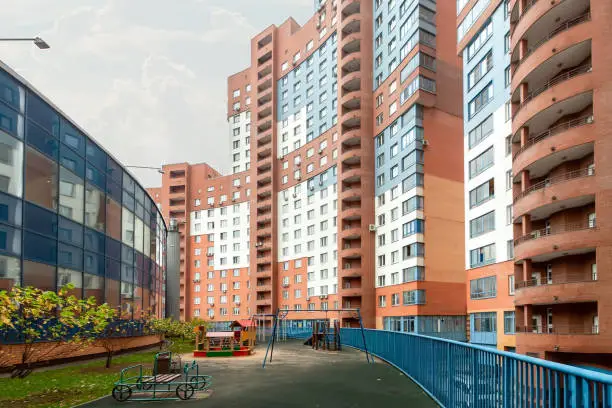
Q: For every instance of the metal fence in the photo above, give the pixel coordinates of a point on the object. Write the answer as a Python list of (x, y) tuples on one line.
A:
[(465, 375)]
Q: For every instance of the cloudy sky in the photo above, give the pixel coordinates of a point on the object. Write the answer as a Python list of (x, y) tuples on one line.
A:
[(146, 78)]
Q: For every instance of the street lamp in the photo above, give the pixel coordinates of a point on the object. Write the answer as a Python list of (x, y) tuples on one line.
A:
[(159, 170), (39, 42)]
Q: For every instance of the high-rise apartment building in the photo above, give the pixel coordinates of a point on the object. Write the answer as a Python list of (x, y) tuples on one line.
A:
[(483, 42), (347, 184), (542, 68)]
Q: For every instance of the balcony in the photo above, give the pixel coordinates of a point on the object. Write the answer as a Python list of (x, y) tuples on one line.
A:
[(535, 44), (564, 289), (569, 190), (556, 240), (566, 76), (572, 132)]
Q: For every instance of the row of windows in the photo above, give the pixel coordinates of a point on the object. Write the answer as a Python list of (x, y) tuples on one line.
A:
[(486, 322), (409, 297), (415, 273), (408, 251)]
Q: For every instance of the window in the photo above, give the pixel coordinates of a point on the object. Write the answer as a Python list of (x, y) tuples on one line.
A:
[(507, 42), (480, 70), (480, 100), (481, 163), (507, 78), (484, 322), (480, 39), (482, 193), (382, 301), (483, 224), (412, 227), (480, 132), (511, 285), (381, 260), (395, 299), (482, 256), (510, 249), (483, 288), (412, 204), (508, 180), (413, 297), (508, 111), (509, 324), (509, 216)]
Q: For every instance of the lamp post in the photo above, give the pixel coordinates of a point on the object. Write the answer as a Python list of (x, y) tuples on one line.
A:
[(159, 170), (39, 42)]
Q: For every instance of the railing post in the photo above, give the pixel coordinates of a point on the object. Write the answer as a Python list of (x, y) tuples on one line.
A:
[(507, 382), (451, 376), (473, 389)]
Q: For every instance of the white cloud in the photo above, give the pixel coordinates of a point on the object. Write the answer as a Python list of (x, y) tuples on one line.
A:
[(146, 78)]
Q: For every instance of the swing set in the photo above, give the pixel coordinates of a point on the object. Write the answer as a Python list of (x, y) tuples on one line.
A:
[(320, 331)]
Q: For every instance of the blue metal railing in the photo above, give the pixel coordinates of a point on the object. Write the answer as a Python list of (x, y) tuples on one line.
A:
[(459, 374)]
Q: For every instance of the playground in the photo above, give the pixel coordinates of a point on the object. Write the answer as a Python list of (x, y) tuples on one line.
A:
[(299, 376)]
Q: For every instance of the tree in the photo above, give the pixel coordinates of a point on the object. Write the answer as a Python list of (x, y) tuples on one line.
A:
[(65, 323), (108, 338)]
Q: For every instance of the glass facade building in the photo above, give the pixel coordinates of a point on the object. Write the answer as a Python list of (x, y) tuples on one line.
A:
[(70, 213)]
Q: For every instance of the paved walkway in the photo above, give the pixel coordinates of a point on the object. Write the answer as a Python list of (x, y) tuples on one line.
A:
[(300, 377)]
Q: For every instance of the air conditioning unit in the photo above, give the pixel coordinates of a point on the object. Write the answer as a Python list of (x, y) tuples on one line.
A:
[(237, 303), (311, 188), (299, 178), (286, 199), (285, 285), (294, 195), (425, 142), (372, 228), (320, 183), (282, 157), (196, 281), (225, 291), (236, 109), (589, 119), (307, 298), (211, 304), (233, 200), (298, 164), (320, 151)]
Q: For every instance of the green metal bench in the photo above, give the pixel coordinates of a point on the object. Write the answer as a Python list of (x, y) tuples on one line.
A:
[(156, 387)]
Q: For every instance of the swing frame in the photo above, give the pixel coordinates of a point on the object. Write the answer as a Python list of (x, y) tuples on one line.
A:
[(281, 314)]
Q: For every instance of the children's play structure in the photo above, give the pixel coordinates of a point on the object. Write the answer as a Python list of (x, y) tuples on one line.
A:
[(323, 335), (238, 341), (164, 384)]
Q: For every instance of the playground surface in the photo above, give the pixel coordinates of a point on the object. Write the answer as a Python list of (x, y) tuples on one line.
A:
[(298, 376)]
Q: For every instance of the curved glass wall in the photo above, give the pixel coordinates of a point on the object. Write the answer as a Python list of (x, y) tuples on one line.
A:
[(69, 213)]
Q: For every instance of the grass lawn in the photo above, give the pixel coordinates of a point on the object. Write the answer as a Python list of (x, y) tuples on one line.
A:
[(74, 384)]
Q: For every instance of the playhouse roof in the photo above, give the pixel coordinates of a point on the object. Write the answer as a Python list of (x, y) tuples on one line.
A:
[(242, 323)]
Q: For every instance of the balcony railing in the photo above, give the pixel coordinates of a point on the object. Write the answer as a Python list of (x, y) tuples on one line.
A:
[(457, 374), (583, 69), (544, 282), (559, 29), (571, 175), (557, 229), (562, 127), (559, 329)]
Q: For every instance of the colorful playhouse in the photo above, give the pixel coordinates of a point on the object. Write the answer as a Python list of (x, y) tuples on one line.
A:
[(238, 341)]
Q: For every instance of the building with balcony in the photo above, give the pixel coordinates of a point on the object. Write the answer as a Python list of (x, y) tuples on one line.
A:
[(69, 211), (556, 69), (483, 43), (346, 184)]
